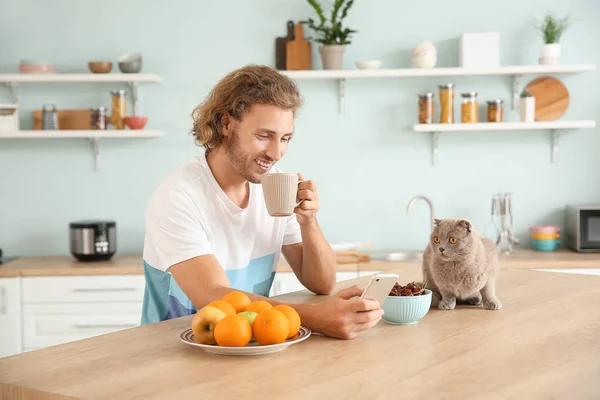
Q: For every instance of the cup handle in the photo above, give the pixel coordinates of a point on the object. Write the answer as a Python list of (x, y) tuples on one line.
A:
[(301, 201)]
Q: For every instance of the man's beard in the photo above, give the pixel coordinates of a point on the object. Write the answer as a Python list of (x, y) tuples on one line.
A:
[(241, 161)]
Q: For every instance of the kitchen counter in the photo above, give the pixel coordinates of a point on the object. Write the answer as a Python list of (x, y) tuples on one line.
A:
[(132, 264), (542, 344)]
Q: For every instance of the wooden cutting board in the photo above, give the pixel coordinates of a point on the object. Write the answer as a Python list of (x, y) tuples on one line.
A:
[(298, 51), (280, 46), (77, 119), (551, 98)]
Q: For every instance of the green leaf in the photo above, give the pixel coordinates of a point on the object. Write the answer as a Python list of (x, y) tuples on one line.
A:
[(553, 28), (331, 32)]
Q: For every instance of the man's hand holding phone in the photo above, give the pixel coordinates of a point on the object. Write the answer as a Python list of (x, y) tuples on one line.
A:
[(344, 315)]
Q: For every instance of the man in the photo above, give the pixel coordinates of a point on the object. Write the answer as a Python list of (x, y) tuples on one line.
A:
[(208, 231)]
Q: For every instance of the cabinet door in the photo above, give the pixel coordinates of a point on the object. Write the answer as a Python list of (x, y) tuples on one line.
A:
[(51, 324), (10, 317), (286, 282), (83, 289)]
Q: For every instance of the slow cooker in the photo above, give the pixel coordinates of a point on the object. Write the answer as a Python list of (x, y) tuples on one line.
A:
[(93, 240)]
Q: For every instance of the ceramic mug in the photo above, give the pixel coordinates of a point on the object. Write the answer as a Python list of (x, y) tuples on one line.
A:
[(280, 191)]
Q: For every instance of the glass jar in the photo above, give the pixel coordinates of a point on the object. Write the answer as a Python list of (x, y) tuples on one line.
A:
[(426, 108), (98, 118), (119, 109), (469, 108), (494, 111), (447, 103)]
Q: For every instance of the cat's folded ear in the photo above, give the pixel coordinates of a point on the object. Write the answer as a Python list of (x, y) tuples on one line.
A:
[(465, 224), (436, 221)]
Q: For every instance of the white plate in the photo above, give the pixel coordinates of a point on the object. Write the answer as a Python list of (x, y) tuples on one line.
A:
[(251, 349)]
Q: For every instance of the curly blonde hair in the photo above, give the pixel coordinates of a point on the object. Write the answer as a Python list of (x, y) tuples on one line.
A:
[(235, 94)]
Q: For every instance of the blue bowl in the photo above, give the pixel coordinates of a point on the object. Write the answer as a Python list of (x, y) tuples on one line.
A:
[(404, 310), (544, 245)]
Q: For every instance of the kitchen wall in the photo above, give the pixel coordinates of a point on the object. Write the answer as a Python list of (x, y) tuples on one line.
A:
[(366, 163)]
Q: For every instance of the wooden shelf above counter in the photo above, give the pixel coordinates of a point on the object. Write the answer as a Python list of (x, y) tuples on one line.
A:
[(132, 264)]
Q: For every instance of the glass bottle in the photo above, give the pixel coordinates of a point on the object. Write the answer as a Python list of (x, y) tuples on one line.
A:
[(426, 108), (119, 109), (469, 108), (494, 111), (98, 118), (447, 103)]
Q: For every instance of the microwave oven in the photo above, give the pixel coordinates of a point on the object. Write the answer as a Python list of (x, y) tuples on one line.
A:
[(583, 227)]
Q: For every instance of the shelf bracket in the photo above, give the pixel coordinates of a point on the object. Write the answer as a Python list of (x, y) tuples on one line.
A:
[(342, 95), (435, 147), (555, 136), (96, 149), (516, 88), (134, 93), (14, 91)]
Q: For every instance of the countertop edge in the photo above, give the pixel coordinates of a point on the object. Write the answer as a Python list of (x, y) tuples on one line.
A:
[(132, 264)]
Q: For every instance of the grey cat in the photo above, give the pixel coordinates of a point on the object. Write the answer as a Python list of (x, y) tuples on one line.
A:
[(460, 264)]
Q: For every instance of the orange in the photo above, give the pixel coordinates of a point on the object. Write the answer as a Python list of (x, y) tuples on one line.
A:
[(270, 327), (293, 318), (238, 300), (223, 306), (258, 306), (233, 330)]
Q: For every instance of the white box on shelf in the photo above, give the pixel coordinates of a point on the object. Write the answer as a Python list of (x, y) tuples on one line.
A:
[(479, 50), (9, 117)]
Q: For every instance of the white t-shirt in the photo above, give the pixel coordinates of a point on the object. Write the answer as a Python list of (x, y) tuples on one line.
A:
[(189, 215)]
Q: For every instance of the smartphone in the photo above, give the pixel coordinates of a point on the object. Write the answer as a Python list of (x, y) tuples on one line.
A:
[(380, 287)]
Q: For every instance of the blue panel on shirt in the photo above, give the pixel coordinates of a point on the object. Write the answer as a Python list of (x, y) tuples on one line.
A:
[(164, 299)]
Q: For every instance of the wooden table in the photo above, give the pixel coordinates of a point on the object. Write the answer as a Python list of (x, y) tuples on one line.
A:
[(544, 343)]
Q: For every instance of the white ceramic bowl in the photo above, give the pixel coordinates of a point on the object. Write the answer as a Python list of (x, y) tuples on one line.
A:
[(368, 64)]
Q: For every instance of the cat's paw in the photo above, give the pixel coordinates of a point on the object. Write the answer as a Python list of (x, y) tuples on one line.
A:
[(435, 299), (475, 300), (448, 304), (492, 304)]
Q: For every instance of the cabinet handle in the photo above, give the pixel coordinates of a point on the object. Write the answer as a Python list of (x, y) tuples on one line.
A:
[(3, 307), (104, 289), (79, 326)]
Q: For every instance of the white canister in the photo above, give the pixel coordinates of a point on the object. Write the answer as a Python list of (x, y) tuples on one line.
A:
[(9, 117), (527, 109)]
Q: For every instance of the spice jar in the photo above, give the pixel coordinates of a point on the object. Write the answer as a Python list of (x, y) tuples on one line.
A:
[(469, 109), (426, 108), (119, 109), (98, 118), (447, 103), (494, 111)]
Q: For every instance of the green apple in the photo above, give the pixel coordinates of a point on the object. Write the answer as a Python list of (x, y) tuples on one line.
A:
[(249, 315)]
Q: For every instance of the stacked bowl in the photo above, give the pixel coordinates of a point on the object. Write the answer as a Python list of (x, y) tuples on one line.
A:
[(544, 237), (35, 67)]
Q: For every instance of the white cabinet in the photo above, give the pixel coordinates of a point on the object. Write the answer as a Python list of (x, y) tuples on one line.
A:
[(60, 309), (10, 316), (286, 282), (51, 324), (83, 289)]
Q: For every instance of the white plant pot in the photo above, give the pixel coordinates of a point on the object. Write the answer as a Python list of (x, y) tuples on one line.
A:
[(550, 53), (332, 56), (527, 109)]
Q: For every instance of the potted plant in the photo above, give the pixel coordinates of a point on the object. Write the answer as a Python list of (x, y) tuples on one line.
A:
[(552, 29), (330, 33), (527, 107)]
